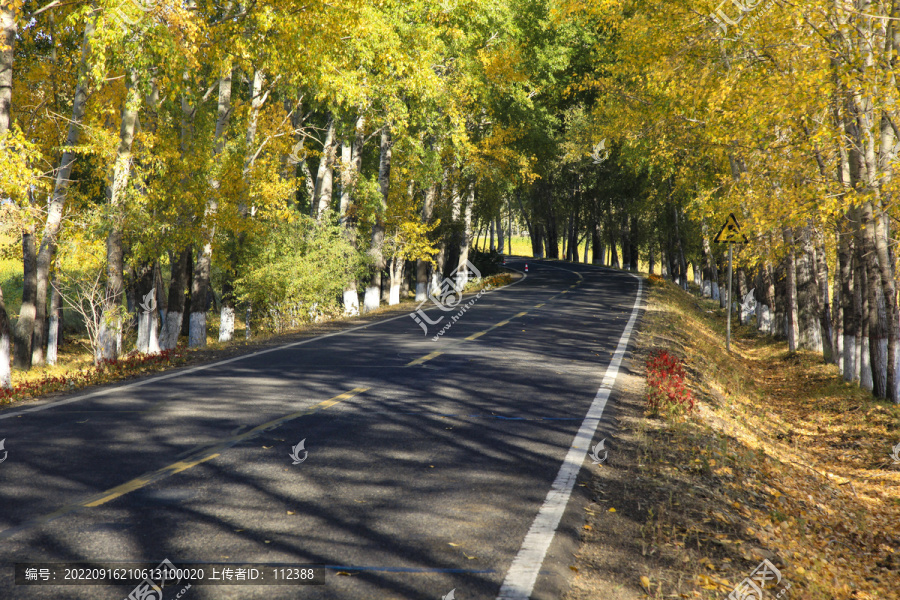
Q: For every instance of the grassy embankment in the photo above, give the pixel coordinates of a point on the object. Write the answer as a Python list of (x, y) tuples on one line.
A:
[(781, 460)]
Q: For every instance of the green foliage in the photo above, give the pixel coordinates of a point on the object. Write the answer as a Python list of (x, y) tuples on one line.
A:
[(297, 271)]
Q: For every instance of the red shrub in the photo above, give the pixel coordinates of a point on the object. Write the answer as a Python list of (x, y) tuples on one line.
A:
[(665, 380)]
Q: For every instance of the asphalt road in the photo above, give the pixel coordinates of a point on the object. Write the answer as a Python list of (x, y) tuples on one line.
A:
[(428, 461)]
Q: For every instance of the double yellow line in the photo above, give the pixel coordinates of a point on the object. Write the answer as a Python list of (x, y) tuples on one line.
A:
[(195, 459)]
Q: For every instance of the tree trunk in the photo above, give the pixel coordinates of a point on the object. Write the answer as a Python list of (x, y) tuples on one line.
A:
[(325, 175), (597, 245), (462, 269), (110, 337), (351, 159), (711, 275), (7, 55), (180, 264), (421, 265), (886, 270), (200, 284), (828, 353), (5, 371), (373, 291), (635, 259), (849, 306), (54, 335), (793, 325), (808, 311), (862, 335), (25, 324), (875, 295), (58, 197)]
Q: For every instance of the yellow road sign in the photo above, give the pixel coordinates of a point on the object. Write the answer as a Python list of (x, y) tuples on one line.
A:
[(731, 232)]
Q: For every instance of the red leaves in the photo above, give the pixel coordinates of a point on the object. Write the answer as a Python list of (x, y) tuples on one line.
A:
[(665, 380), (104, 371)]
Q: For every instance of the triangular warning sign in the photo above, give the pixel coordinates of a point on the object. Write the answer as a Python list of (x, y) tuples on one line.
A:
[(731, 232)]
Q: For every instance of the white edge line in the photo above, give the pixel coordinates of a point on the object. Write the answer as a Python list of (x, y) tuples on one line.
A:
[(180, 373), (523, 573)]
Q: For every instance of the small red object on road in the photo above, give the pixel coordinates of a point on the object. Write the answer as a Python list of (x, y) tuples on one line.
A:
[(526, 267)]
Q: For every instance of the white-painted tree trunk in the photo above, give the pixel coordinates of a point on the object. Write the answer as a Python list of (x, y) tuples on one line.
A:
[(226, 324), (169, 336), (395, 294), (421, 292), (865, 365), (143, 332), (197, 330), (5, 370), (706, 289), (839, 349), (715, 295), (153, 337), (351, 302), (52, 340), (372, 298)]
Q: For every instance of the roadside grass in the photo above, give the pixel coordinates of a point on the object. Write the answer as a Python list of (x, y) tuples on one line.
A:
[(781, 460)]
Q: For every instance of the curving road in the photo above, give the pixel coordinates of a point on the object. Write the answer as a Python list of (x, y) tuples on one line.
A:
[(432, 465)]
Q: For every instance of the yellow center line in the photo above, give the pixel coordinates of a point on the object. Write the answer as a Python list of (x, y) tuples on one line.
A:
[(181, 465), (540, 305), (474, 336), (425, 358)]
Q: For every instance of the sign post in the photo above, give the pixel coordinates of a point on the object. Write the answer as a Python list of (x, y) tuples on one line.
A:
[(730, 234)]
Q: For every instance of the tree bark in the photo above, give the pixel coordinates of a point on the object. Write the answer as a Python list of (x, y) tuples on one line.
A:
[(421, 265), (180, 264), (111, 323), (8, 28), (877, 303), (200, 284), (828, 353), (325, 175), (373, 291), (462, 269), (351, 163), (886, 269), (25, 324), (808, 311), (849, 306), (793, 325), (57, 201), (597, 245), (54, 334)]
